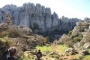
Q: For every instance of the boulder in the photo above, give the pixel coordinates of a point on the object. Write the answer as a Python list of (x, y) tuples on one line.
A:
[(75, 31), (64, 38), (77, 46), (83, 52), (52, 53), (87, 45), (69, 51)]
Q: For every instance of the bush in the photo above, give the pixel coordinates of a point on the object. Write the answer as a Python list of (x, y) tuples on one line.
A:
[(70, 32), (44, 39), (26, 36), (77, 39), (8, 42), (3, 34), (69, 44), (13, 33)]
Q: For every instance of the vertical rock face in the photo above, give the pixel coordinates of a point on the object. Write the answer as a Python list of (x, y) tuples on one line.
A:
[(37, 17), (55, 21), (48, 20)]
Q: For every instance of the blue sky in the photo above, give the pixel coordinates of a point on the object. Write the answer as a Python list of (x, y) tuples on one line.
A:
[(68, 8), (82, 5)]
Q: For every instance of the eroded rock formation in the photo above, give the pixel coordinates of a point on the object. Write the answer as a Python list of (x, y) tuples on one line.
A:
[(37, 17)]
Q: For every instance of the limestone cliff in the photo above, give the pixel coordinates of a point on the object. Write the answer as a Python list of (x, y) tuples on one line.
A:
[(38, 18)]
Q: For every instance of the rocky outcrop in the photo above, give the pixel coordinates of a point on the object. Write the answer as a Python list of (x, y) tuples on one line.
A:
[(64, 38), (7, 22), (81, 26), (70, 51), (37, 17), (87, 45), (82, 30), (77, 46)]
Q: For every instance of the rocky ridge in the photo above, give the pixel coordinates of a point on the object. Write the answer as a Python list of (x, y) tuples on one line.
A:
[(37, 17)]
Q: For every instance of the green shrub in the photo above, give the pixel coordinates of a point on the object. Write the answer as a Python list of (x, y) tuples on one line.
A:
[(77, 39), (26, 36), (8, 42), (70, 32), (13, 33)]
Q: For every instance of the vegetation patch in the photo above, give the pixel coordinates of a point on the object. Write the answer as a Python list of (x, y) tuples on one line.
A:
[(44, 48), (62, 48), (87, 57)]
